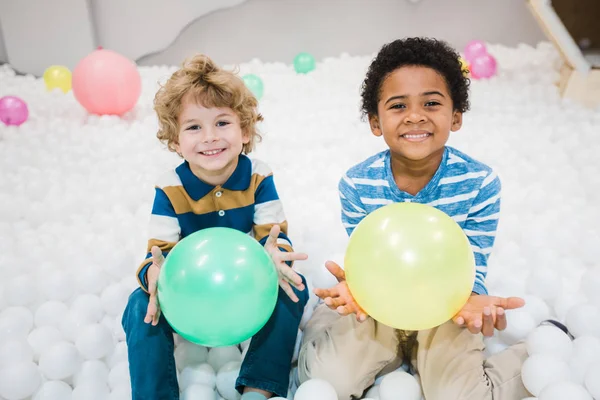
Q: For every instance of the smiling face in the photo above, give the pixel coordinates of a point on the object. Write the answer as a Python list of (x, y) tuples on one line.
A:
[(415, 114), (210, 140)]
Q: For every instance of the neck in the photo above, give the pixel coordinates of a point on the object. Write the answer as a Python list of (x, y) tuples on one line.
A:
[(215, 178), (413, 175)]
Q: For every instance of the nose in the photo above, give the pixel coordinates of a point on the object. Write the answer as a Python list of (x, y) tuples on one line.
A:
[(415, 116), (209, 136)]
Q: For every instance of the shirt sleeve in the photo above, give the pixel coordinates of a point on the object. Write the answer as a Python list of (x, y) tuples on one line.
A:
[(268, 211), (480, 227), (164, 231), (353, 210)]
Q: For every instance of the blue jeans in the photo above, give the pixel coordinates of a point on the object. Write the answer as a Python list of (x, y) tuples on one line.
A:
[(266, 366)]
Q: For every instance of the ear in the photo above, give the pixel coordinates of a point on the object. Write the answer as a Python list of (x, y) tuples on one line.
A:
[(456, 121), (375, 126), (245, 136)]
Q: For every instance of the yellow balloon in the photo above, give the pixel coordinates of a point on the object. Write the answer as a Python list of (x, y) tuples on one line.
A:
[(410, 266), (57, 76), (464, 66)]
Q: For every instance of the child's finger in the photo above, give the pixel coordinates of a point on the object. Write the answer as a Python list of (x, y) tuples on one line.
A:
[(292, 256), (288, 290), (156, 317), (273, 235), (157, 256), (459, 320), (475, 325), (323, 293), (336, 271), (291, 276), (343, 310), (488, 322), (337, 302), (500, 319), (150, 312)]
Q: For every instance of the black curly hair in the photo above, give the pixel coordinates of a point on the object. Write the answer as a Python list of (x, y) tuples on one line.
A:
[(417, 51)]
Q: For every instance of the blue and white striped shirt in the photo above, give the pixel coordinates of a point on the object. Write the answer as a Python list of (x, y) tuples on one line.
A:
[(462, 187)]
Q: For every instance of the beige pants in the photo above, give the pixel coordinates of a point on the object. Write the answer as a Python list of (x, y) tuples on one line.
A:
[(448, 359)]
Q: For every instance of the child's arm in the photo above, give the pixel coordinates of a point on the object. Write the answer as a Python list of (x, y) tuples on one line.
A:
[(480, 227), (353, 210), (270, 229), (164, 232), (268, 212)]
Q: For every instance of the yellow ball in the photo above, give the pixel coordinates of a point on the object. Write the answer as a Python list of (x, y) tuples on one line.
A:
[(464, 66), (410, 266), (58, 76)]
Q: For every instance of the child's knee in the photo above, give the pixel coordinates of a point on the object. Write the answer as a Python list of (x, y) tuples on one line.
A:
[(135, 311)]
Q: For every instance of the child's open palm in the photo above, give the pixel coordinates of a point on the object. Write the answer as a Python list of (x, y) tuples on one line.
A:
[(339, 298), (483, 314), (287, 276), (153, 312)]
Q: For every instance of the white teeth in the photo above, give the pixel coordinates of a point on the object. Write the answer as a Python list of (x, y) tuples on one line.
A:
[(211, 153), (416, 136)]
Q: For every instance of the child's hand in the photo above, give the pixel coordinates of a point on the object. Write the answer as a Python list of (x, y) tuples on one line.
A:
[(153, 312), (287, 276), (339, 298), (481, 314)]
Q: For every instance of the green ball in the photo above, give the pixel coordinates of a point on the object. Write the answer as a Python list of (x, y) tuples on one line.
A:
[(255, 84), (218, 287), (304, 63)]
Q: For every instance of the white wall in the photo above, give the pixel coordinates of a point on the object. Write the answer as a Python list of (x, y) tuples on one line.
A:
[(276, 30), (38, 33)]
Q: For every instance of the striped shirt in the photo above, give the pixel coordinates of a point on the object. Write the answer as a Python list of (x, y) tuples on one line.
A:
[(463, 188), (184, 204)]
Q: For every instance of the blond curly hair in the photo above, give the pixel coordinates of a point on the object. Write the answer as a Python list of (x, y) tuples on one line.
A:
[(211, 86)]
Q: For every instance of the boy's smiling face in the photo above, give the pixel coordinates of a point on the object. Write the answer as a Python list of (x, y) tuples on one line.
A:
[(210, 139), (415, 113)]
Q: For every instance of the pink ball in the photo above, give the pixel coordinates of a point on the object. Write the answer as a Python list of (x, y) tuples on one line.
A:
[(106, 83), (483, 67), (474, 49), (13, 110)]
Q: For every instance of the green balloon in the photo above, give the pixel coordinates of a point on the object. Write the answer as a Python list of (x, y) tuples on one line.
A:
[(218, 287), (255, 84), (304, 63)]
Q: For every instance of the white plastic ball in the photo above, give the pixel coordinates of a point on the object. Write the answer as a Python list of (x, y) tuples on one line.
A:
[(60, 361), (373, 392), (114, 298), (19, 381), (564, 390), (89, 305), (50, 313), (94, 341), (57, 285), (199, 392), (519, 324), (226, 378), (202, 374), (316, 389), (13, 352), (550, 340), (41, 338), (584, 319), (540, 370), (399, 385), (92, 370), (119, 354), (586, 351), (122, 392), (219, 356), (544, 283), (21, 291), (90, 390), (15, 322), (537, 308), (119, 375), (564, 302), (53, 390), (592, 380), (189, 354)]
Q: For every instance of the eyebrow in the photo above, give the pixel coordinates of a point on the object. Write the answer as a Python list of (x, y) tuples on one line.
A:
[(187, 121), (402, 97)]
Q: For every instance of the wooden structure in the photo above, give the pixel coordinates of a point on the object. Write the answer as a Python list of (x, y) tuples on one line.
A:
[(574, 28)]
